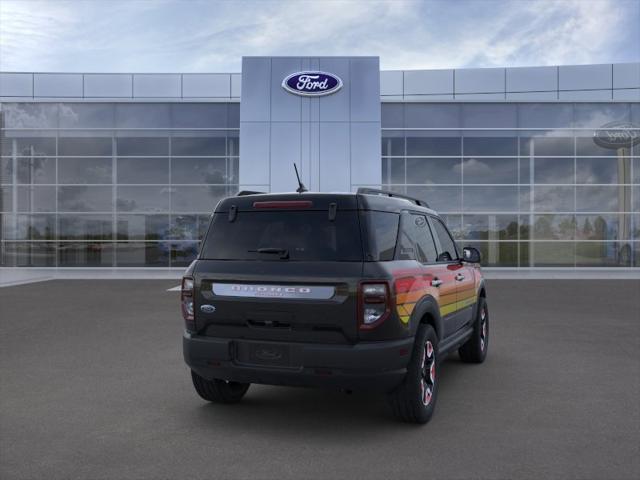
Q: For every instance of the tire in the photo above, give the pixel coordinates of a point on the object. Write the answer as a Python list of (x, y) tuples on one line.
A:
[(219, 391), (475, 349), (415, 399)]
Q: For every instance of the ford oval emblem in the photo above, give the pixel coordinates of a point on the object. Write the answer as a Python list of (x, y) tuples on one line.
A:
[(312, 84), (617, 135), (207, 308)]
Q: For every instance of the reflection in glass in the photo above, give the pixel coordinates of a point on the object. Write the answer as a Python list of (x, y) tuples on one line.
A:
[(143, 170), (143, 227), (490, 199), (36, 170), (603, 198), (79, 146), (546, 146), (393, 171), (490, 227), (30, 115), (197, 199), (189, 227), (603, 227), (37, 254), (84, 199), (94, 254), (143, 199), (602, 170), (183, 253), (143, 115), (603, 254), (496, 254), (87, 115), (434, 170), (554, 227), (553, 199), (552, 254), (85, 227), (200, 170), (40, 146), (35, 227), (490, 170), (433, 146), (554, 170), (490, 146), (84, 170), (441, 199), (393, 143), (143, 146), (214, 145), (142, 254), (36, 199)]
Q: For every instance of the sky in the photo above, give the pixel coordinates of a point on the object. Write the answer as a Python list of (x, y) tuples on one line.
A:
[(212, 36)]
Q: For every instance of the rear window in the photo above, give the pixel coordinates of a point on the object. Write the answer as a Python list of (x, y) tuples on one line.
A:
[(284, 235)]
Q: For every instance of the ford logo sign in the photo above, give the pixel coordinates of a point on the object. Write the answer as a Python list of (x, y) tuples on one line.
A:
[(207, 308), (312, 84), (617, 135)]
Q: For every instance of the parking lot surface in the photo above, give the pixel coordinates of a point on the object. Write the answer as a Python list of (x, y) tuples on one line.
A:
[(93, 386)]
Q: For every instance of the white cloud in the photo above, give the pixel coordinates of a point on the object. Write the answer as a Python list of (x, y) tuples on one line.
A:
[(142, 35)]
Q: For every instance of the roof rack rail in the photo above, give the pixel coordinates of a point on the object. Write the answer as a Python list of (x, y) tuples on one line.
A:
[(243, 193), (375, 191)]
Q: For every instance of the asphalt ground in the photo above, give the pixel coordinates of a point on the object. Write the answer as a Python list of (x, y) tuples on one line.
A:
[(93, 386)]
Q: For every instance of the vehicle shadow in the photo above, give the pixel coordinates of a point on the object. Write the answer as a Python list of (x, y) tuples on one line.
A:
[(286, 411)]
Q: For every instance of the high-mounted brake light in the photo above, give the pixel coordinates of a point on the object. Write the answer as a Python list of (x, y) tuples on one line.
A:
[(374, 304), (186, 302), (284, 204)]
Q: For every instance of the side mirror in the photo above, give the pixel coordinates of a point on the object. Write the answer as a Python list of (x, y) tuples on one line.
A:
[(471, 255)]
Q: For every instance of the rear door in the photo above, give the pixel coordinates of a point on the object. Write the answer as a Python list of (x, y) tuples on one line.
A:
[(285, 273), (459, 312)]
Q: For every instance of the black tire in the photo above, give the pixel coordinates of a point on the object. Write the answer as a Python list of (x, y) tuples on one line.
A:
[(475, 349), (219, 391), (415, 399)]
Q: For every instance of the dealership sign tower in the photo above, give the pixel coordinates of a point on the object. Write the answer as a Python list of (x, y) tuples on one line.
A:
[(321, 112)]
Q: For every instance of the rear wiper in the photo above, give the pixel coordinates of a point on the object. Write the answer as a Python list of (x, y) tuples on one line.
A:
[(283, 252)]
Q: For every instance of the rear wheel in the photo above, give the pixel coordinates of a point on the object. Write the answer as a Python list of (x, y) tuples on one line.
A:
[(415, 399), (219, 391), (475, 349)]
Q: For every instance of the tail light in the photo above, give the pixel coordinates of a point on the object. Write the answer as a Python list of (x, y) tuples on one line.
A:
[(186, 301), (375, 304)]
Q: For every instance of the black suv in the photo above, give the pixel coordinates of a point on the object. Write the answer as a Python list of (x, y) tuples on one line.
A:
[(356, 291)]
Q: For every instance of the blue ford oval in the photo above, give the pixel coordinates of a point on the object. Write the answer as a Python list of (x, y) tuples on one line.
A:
[(312, 84)]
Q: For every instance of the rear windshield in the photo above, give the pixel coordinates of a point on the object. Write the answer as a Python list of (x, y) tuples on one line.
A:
[(284, 236)]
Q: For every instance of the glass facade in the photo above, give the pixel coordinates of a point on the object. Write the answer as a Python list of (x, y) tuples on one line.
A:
[(133, 184), (112, 184), (525, 183)]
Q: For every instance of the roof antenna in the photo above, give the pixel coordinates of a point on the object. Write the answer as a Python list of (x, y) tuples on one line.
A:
[(301, 188)]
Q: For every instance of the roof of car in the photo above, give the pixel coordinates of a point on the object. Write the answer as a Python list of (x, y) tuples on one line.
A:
[(321, 201)]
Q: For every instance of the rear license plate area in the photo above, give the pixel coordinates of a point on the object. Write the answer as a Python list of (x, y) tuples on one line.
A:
[(263, 354)]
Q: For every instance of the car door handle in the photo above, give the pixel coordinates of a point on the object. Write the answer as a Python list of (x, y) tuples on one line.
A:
[(459, 277), (436, 282)]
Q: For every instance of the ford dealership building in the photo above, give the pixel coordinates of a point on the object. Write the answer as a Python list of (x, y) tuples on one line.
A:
[(537, 167)]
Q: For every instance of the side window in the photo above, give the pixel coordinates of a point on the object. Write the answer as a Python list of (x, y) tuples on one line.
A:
[(415, 242), (382, 228), (447, 247)]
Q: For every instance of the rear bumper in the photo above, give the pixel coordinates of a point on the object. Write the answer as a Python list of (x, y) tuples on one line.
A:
[(372, 366)]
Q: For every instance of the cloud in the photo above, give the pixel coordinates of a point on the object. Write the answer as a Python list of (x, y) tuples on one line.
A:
[(199, 36)]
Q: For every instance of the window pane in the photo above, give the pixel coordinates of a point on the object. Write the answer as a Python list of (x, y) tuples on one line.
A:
[(554, 170), (135, 146), (189, 227), (38, 254), (545, 115), (77, 146), (483, 115), (603, 254), (603, 227), (602, 170), (30, 115), (382, 233), (598, 114), (586, 146), (636, 169), (432, 146), (602, 198), (143, 199), (28, 146), (36, 170), (199, 146), (200, 170), (434, 170), (454, 224), (6, 199), (35, 227), (553, 199), (199, 115), (142, 254), (546, 146), (85, 227), (143, 170), (554, 227), (490, 227), (87, 115), (147, 115), (415, 241), (6, 170), (447, 249), (421, 115), (441, 199), (84, 170), (491, 199), (392, 115), (392, 143), (84, 199), (36, 199), (497, 254), (552, 254), (490, 146), (490, 170), (94, 254), (143, 227), (197, 199)]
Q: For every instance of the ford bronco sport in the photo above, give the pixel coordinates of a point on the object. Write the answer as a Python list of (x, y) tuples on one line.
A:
[(353, 291)]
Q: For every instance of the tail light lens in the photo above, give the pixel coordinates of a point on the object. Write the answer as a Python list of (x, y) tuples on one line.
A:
[(375, 304), (186, 301)]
